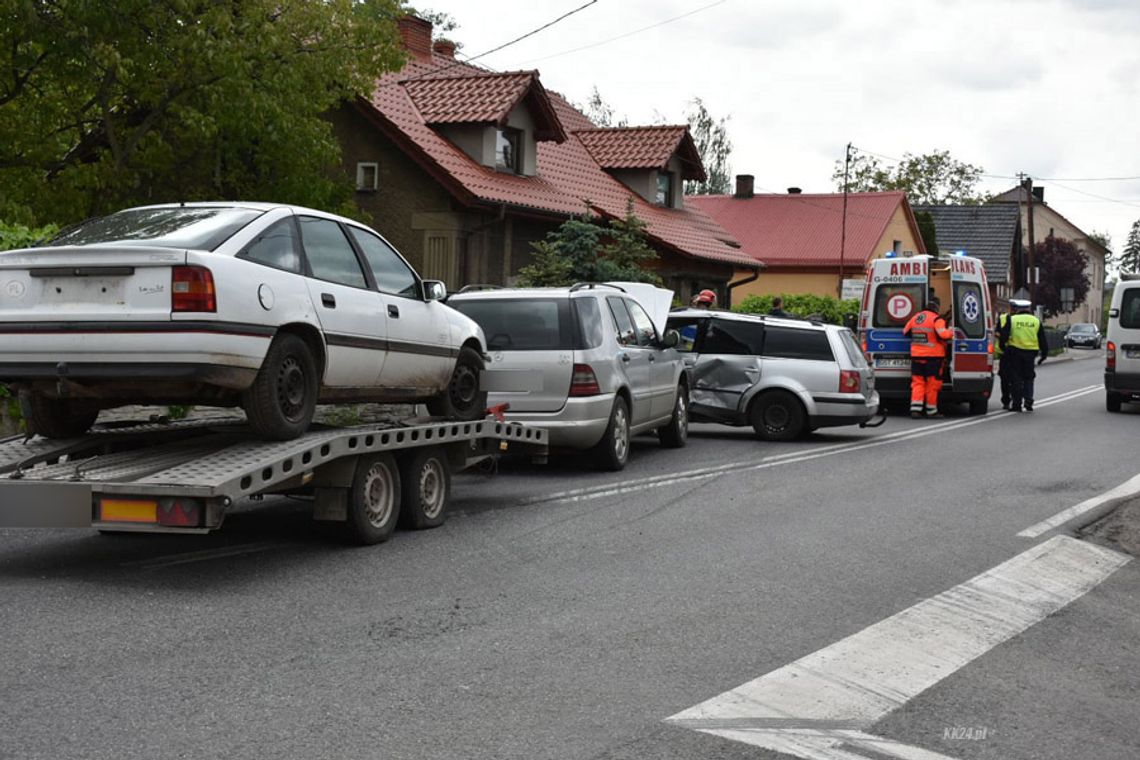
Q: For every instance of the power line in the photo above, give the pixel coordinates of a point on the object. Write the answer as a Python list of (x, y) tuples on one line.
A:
[(628, 34), (434, 73)]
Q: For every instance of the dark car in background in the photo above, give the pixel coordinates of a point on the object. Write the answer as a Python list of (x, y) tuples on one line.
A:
[(1084, 335)]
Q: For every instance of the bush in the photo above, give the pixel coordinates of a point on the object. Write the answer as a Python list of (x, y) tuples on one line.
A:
[(824, 308), (20, 236)]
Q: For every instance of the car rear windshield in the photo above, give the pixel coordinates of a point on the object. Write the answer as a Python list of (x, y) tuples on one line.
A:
[(196, 228), (1130, 309), (1083, 328), (792, 343), (521, 324)]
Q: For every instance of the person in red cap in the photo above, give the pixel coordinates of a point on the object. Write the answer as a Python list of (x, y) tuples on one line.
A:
[(706, 299)]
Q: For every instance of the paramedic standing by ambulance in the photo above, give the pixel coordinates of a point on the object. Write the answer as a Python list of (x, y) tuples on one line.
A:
[(1022, 337), (928, 335)]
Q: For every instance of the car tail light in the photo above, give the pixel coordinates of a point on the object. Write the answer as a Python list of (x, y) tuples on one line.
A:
[(848, 381), (583, 381), (1110, 356), (192, 289)]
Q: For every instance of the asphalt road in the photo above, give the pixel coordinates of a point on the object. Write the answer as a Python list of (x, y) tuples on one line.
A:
[(568, 614)]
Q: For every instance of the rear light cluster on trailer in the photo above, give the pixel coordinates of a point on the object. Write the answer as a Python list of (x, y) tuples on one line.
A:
[(1110, 356), (192, 289), (172, 512), (848, 381), (583, 381)]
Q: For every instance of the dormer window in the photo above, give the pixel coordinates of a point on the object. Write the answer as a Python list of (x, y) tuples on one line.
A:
[(508, 153), (664, 188)]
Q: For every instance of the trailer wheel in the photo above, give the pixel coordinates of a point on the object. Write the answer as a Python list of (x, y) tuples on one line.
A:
[(462, 399), (778, 416), (426, 480), (56, 418), (979, 406), (373, 500), (283, 397)]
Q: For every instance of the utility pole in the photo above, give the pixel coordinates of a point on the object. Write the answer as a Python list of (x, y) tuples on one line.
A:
[(843, 224), (1027, 184)]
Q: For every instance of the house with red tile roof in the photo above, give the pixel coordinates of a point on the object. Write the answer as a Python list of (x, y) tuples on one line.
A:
[(802, 239), (463, 168)]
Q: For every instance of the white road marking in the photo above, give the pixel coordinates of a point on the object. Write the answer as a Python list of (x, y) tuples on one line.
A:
[(1123, 491), (201, 556), (590, 493), (817, 706)]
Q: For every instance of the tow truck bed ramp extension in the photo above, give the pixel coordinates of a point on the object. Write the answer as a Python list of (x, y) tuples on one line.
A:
[(182, 476)]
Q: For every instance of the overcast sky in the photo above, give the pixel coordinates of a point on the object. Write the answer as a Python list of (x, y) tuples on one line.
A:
[(1046, 87)]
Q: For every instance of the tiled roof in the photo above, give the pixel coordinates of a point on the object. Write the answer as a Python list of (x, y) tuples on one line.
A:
[(805, 230), (643, 148), (990, 233), (568, 177), (486, 99)]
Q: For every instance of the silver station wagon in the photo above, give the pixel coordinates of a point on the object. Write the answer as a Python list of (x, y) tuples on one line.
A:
[(784, 377)]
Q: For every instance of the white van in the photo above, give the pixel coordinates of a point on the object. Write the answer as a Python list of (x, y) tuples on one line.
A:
[(1122, 344), (896, 289)]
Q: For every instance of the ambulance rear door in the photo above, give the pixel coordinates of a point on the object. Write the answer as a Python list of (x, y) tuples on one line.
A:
[(971, 373), (896, 291)]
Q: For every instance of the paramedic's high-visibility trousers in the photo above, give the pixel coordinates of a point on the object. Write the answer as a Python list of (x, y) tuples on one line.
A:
[(925, 383)]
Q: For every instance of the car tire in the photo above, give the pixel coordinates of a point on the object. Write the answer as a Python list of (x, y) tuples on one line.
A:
[(425, 480), (979, 406), (778, 416), (612, 452), (283, 397), (374, 500), (462, 399), (1112, 402), (675, 434), (56, 418)]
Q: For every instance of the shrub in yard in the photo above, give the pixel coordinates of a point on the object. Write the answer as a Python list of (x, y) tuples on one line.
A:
[(825, 308)]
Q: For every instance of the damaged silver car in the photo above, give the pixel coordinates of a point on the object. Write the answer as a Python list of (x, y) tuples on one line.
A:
[(784, 377)]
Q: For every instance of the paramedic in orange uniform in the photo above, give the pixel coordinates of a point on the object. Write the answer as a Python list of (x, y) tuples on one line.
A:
[(928, 335)]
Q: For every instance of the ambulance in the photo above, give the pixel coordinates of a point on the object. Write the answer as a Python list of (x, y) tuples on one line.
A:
[(896, 289)]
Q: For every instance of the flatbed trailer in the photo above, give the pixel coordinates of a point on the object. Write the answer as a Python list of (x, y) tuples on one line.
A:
[(183, 477)]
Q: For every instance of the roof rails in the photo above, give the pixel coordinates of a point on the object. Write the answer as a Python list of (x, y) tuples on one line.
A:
[(591, 285), (1129, 276), (479, 286)]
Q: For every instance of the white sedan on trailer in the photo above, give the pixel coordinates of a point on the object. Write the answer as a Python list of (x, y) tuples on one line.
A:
[(266, 306)]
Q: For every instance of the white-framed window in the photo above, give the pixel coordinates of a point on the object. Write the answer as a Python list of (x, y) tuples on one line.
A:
[(367, 176), (508, 150), (664, 194)]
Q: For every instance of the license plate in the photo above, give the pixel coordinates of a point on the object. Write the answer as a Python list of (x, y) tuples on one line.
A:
[(890, 363), (1132, 353)]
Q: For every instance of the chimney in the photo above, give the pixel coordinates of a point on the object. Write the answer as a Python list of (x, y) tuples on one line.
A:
[(744, 186), (794, 190), (416, 34), (445, 48), (1039, 194)]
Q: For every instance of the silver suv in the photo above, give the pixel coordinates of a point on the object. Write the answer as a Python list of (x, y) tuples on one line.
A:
[(587, 363), (784, 377)]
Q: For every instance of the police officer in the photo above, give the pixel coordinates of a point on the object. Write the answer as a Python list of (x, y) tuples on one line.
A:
[(928, 335), (999, 354), (1022, 337)]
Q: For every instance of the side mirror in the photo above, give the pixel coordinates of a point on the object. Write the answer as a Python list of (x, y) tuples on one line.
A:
[(434, 290), (672, 339)]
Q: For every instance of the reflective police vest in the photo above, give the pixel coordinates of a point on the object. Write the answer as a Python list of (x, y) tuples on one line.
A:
[(1023, 332), (997, 344), (927, 332)]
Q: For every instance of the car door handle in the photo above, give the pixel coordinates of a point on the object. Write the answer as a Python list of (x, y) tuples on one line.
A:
[(393, 311), (625, 358), (329, 300), (652, 358)]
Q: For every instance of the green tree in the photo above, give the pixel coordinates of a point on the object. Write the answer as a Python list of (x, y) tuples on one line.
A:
[(600, 112), (588, 249), (934, 178), (928, 231), (715, 147), (119, 102), (1130, 258)]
